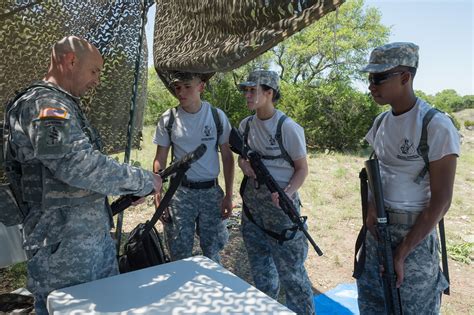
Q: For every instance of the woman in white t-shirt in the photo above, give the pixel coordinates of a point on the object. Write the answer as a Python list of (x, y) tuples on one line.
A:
[(281, 143)]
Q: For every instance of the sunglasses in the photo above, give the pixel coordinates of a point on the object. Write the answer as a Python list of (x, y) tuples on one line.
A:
[(378, 79)]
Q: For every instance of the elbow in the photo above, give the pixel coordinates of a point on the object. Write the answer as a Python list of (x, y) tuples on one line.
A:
[(446, 206), (441, 207), (304, 172)]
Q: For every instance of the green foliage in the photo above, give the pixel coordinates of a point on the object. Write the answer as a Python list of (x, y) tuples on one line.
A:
[(426, 97), (467, 102), (159, 99), (462, 252), (222, 92), (16, 275), (334, 115), (447, 100), (468, 124), (335, 47)]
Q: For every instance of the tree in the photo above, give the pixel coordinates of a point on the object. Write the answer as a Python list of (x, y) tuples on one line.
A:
[(334, 115), (159, 99), (426, 97), (335, 47), (448, 100), (468, 101)]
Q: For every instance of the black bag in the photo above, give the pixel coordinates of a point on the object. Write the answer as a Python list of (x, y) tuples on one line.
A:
[(143, 249)]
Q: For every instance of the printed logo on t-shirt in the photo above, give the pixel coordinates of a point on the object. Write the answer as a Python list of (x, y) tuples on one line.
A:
[(273, 143), (407, 150), (207, 132)]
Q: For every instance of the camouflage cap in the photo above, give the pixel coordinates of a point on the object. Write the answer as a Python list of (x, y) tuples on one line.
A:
[(180, 76), (392, 55), (262, 77)]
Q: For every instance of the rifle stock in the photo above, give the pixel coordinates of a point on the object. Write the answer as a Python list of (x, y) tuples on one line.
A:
[(384, 248), (238, 146), (183, 163)]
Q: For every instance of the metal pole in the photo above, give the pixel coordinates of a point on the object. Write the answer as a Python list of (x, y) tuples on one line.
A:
[(128, 148)]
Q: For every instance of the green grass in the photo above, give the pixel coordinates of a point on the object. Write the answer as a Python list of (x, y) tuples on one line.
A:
[(15, 275), (462, 252)]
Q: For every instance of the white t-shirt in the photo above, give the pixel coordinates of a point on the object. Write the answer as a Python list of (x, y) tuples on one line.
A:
[(261, 138), (190, 130), (396, 142)]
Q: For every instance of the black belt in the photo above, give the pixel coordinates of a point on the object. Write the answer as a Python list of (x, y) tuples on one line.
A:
[(200, 185)]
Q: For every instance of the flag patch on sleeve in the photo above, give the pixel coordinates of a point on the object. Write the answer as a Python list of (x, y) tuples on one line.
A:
[(56, 113)]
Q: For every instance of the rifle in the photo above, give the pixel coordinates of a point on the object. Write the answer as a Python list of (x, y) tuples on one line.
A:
[(263, 176), (393, 304), (181, 165)]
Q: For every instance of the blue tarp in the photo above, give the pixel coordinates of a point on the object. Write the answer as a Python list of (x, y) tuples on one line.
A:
[(342, 300)]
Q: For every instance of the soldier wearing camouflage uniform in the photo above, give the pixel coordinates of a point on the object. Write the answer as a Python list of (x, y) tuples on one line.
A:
[(199, 202), (63, 176), (272, 262), (413, 207)]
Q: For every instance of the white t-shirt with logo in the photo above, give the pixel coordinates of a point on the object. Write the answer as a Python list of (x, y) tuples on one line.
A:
[(261, 138), (189, 131), (396, 142)]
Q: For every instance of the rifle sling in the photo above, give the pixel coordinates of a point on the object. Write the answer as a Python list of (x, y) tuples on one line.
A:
[(280, 237), (359, 264), (174, 184)]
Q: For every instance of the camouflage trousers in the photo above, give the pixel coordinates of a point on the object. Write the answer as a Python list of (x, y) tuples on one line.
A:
[(70, 262), (272, 263), (194, 210), (423, 279)]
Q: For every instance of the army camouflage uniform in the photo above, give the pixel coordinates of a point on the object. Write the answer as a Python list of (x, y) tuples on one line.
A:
[(423, 281), (64, 180), (422, 276), (200, 209), (270, 262)]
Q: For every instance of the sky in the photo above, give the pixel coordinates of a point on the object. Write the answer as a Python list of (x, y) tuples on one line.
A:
[(443, 29)]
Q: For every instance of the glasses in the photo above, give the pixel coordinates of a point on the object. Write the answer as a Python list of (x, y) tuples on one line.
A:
[(378, 79)]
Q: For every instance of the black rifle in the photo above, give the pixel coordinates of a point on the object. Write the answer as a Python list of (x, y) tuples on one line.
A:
[(393, 304), (182, 165), (263, 176)]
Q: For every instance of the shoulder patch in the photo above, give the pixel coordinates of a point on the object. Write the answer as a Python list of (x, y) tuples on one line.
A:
[(55, 113)]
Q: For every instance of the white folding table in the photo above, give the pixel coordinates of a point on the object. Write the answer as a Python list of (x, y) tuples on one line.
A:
[(195, 285)]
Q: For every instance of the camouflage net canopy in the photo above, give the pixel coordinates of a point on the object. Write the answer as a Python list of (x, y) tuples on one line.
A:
[(202, 36), (220, 35), (28, 29)]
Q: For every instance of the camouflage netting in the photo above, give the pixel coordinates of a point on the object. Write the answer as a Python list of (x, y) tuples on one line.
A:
[(198, 36), (28, 29), (208, 35)]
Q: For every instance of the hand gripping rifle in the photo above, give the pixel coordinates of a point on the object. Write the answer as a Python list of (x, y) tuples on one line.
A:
[(384, 249), (263, 175), (179, 168)]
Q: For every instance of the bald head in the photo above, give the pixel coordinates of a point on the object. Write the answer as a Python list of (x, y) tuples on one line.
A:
[(73, 44), (75, 65)]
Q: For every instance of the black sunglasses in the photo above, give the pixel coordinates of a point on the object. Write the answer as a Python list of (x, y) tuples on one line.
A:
[(378, 79)]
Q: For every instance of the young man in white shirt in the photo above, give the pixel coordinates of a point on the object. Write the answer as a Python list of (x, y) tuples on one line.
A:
[(199, 201), (415, 202)]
